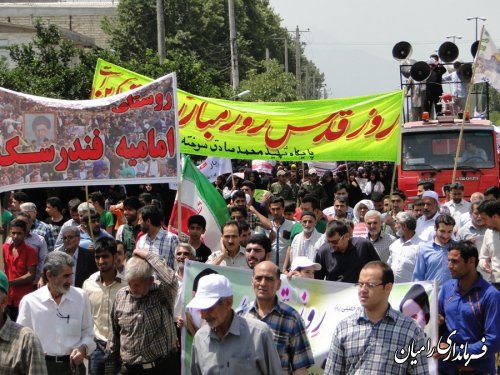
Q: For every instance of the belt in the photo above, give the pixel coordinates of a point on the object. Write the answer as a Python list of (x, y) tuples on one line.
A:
[(147, 365), (57, 358)]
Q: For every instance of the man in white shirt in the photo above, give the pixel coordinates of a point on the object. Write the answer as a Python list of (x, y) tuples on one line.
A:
[(231, 254), (61, 317), (457, 205), (282, 227), (489, 256), (403, 251), (425, 224)]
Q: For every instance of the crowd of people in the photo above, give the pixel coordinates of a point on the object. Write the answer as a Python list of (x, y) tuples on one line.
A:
[(101, 279)]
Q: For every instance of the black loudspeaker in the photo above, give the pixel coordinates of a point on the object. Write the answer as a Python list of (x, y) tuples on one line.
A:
[(473, 48), (420, 71), (448, 52), (402, 51)]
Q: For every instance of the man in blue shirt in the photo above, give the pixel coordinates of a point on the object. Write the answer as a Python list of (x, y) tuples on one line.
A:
[(470, 307), (432, 257)]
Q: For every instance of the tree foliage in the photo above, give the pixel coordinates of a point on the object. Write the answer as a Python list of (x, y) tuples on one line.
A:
[(272, 85)]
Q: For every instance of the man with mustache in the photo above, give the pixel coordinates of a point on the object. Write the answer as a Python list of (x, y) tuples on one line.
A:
[(258, 249), (61, 317), (425, 224), (143, 336)]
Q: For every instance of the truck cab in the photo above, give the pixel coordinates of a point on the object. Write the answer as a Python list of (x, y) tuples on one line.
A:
[(428, 151)]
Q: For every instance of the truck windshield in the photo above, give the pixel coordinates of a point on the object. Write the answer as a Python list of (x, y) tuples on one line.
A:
[(436, 150)]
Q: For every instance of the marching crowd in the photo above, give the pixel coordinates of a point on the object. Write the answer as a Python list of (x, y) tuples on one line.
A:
[(104, 282)]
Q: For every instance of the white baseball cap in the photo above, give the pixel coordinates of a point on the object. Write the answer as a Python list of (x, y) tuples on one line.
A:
[(303, 262), (210, 289)]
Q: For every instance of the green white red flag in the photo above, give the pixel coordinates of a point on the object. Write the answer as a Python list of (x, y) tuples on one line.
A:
[(199, 196)]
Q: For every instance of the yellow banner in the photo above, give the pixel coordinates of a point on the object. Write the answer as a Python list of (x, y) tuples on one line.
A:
[(360, 128)]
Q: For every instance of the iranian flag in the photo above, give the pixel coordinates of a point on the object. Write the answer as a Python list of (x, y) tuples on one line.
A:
[(199, 196)]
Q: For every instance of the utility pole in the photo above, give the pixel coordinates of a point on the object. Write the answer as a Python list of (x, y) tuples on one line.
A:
[(298, 76), (286, 54), (298, 54), (160, 29), (307, 91), (235, 75)]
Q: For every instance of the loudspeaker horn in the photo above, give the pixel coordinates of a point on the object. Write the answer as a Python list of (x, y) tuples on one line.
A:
[(405, 67), (448, 52), (473, 48), (401, 51), (465, 72), (420, 71)]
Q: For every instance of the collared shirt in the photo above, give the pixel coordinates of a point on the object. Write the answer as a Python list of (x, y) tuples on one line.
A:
[(60, 328), (101, 299), (247, 349), (238, 261), (457, 209), (381, 244), (490, 250), (39, 227), (163, 244), (361, 347), (37, 242), (289, 333), (86, 239), (346, 266), (402, 258), (17, 266), (20, 351), (143, 329), (474, 315), (432, 262), (426, 227), (470, 231)]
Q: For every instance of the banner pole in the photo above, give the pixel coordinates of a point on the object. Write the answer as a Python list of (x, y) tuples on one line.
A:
[(469, 87), (91, 232)]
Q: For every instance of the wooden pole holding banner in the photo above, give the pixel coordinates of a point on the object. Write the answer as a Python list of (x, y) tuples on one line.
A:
[(91, 232), (469, 89), (179, 204)]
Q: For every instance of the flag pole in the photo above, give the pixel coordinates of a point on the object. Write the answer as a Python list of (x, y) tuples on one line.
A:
[(469, 89)]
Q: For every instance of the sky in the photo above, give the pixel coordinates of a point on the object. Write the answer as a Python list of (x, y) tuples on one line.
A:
[(351, 41)]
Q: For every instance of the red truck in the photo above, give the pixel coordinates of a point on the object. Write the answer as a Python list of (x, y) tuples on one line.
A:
[(428, 151)]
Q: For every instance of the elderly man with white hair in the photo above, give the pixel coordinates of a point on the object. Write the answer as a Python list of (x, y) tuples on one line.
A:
[(425, 224), (39, 227), (379, 239), (83, 208), (403, 251), (144, 337)]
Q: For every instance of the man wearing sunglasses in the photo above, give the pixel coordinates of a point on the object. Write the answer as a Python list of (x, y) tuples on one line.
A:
[(342, 257), (367, 341)]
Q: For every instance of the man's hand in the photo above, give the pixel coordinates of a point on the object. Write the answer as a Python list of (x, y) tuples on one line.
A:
[(78, 355), (223, 250), (486, 265)]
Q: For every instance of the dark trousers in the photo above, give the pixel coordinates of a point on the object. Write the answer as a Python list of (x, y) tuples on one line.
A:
[(57, 368), (169, 366)]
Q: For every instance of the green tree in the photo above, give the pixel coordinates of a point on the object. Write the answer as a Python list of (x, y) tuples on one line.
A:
[(272, 85), (48, 66)]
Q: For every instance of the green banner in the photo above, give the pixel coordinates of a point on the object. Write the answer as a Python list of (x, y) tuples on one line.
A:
[(349, 129)]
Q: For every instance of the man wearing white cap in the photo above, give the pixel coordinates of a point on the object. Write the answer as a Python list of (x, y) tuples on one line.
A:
[(229, 344), (425, 224)]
